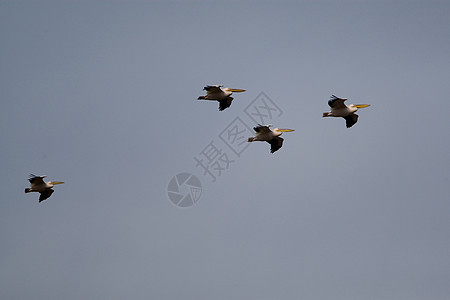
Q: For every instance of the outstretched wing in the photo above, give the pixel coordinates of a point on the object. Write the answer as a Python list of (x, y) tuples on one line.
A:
[(351, 120), (225, 103), (36, 180), (45, 194), (262, 128), (275, 144), (336, 102)]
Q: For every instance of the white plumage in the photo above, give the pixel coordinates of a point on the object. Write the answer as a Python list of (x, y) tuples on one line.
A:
[(272, 136), (339, 109), (220, 94), (38, 185)]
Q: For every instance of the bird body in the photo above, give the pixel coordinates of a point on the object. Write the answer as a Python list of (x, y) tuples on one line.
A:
[(272, 136), (339, 109), (220, 94), (38, 185)]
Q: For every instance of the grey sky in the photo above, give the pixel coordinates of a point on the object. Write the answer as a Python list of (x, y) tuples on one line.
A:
[(102, 95)]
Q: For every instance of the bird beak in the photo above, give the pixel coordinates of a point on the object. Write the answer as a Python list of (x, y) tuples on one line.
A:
[(237, 90), (286, 130), (58, 182), (361, 105)]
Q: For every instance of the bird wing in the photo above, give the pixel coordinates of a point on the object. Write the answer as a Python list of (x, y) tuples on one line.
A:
[(225, 103), (37, 180), (351, 120), (213, 88), (45, 194), (262, 129), (336, 102), (275, 144)]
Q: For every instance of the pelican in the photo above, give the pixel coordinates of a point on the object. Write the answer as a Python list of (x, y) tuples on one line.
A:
[(38, 185), (339, 109), (272, 136), (221, 94)]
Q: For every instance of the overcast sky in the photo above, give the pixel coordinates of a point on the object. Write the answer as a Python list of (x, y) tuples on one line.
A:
[(102, 95)]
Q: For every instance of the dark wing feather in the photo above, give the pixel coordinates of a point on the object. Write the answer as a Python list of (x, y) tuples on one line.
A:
[(45, 194), (36, 179), (336, 102), (225, 103), (212, 87), (351, 120), (275, 143), (261, 128)]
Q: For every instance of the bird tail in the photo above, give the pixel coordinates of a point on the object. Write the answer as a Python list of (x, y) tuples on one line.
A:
[(325, 114), (250, 139), (201, 98), (27, 190)]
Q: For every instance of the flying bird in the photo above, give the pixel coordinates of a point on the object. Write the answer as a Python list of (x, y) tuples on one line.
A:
[(339, 109), (221, 94), (44, 188), (272, 136)]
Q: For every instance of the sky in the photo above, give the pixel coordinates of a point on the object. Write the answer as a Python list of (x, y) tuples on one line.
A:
[(103, 96)]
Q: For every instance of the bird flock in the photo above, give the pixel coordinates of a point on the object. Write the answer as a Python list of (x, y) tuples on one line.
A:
[(223, 96), (272, 136)]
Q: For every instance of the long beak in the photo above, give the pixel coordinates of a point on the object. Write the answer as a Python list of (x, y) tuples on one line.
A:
[(57, 182), (237, 90), (361, 105), (286, 130)]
